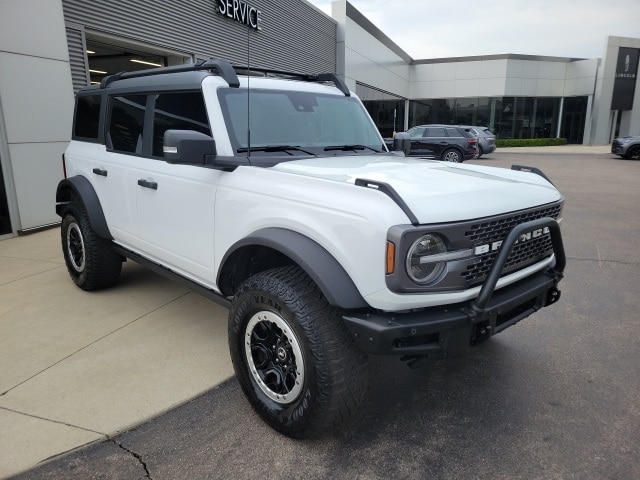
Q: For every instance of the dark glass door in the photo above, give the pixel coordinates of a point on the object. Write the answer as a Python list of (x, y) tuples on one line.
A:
[(574, 118), (5, 221)]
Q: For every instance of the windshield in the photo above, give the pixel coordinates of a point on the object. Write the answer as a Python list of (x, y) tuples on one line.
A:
[(309, 121)]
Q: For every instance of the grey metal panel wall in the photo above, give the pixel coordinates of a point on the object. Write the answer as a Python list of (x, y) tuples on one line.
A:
[(77, 56), (294, 35)]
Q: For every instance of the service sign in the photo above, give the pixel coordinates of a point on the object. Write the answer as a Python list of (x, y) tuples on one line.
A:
[(624, 85), (241, 12)]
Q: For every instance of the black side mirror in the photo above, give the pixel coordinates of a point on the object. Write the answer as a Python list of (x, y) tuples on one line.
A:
[(402, 143), (188, 147)]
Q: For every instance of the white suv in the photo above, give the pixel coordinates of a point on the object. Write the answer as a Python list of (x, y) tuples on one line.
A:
[(275, 195)]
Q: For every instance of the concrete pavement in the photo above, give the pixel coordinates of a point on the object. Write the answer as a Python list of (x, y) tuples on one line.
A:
[(78, 367)]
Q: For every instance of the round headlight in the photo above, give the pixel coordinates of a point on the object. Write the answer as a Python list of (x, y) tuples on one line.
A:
[(419, 268)]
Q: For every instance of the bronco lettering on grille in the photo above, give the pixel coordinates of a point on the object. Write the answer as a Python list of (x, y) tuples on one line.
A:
[(525, 237)]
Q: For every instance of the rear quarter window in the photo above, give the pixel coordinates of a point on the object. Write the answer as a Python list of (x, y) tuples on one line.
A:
[(86, 124)]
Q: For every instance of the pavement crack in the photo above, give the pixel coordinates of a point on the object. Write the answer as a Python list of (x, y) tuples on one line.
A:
[(137, 456), (600, 261), (66, 424)]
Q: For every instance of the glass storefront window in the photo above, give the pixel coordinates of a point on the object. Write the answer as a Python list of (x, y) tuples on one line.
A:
[(506, 117), (386, 110)]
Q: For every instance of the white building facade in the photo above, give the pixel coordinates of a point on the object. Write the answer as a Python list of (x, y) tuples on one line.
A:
[(51, 48)]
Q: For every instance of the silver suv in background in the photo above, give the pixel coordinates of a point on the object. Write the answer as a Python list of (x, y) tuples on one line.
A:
[(486, 139), (627, 147)]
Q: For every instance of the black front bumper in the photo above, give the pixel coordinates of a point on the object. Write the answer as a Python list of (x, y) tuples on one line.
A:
[(446, 329)]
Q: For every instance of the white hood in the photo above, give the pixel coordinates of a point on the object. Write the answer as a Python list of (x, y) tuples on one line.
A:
[(436, 191)]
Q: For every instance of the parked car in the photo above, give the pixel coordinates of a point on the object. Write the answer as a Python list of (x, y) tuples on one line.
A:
[(486, 139), (451, 143), (627, 147)]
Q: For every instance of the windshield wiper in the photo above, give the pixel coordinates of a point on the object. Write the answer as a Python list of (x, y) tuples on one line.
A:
[(275, 148), (346, 148)]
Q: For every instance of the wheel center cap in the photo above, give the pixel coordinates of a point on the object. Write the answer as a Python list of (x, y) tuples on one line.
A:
[(281, 353)]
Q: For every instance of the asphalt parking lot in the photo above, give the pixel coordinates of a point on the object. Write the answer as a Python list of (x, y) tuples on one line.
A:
[(555, 397)]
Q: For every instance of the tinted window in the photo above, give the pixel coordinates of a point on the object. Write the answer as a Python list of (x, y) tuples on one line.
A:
[(178, 111), (416, 132), (87, 116), (435, 132), (454, 132), (126, 123)]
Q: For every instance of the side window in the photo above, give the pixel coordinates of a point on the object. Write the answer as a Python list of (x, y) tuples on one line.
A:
[(454, 132), (87, 117), (178, 111), (435, 132), (416, 132), (126, 123)]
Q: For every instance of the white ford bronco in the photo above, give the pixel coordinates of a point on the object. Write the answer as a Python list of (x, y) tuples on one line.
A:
[(274, 194)]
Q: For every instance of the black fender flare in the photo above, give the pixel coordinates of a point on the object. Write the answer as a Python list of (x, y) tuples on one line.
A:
[(85, 191), (313, 258)]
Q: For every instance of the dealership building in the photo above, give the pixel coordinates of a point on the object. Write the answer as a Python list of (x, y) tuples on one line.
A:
[(51, 48)]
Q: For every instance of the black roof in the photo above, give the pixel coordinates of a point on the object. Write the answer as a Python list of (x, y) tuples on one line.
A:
[(190, 76)]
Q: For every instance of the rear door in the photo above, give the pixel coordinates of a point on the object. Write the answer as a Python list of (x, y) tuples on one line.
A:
[(114, 175), (436, 141), (176, 202)]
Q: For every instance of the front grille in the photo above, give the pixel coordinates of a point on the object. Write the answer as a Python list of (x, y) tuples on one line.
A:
[(496, 229)]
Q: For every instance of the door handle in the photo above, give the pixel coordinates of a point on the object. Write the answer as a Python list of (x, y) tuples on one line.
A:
[(147, 184), (100, 171)]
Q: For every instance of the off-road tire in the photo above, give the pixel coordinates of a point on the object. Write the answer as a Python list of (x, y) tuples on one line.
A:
[(452, 155), (280, 315), (90, 259)]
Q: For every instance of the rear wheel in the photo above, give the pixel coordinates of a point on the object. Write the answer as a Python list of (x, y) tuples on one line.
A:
[(292, 354), (90, 259), (634, 153), (480, 151), (452, 155)]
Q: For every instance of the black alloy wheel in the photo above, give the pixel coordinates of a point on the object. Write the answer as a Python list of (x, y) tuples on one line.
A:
[(292, 354)]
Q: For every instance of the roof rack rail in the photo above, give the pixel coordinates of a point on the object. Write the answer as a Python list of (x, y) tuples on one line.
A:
[(308, 77), (223, 67)]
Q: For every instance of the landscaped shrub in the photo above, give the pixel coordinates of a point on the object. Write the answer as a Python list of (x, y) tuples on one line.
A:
[(530, 142)]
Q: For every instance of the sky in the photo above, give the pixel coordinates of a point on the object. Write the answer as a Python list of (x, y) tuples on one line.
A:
[(450, 28)]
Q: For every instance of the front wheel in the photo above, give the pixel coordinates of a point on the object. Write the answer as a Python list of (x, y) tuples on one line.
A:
[(292, 355), (452, 155), (634, 153)]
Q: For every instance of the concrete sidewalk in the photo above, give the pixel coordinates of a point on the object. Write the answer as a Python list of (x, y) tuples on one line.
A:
[(79, 367), (558, 149)]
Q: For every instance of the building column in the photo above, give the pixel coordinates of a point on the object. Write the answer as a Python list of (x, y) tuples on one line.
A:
[(406, 115), (612, 125), (586, 135), (37, 107), (560, 114)]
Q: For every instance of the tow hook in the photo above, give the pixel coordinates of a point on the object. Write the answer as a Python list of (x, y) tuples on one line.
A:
[(553, 295)]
